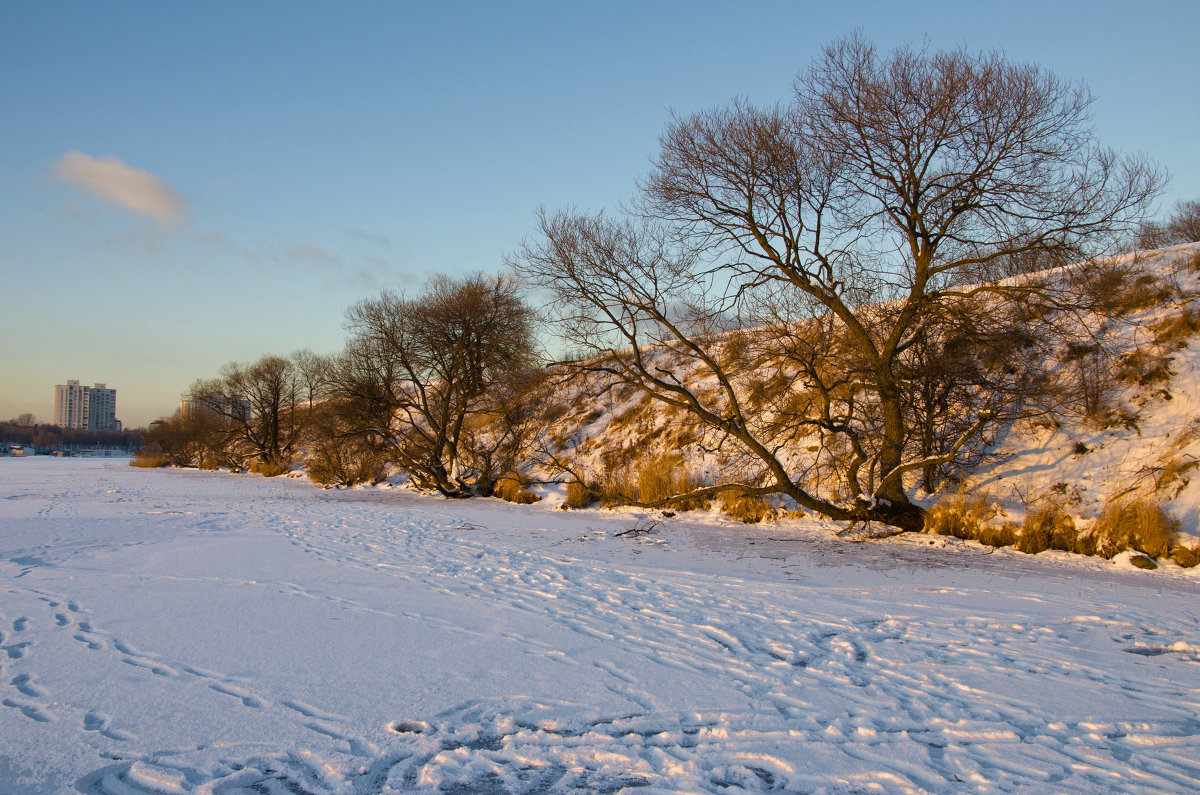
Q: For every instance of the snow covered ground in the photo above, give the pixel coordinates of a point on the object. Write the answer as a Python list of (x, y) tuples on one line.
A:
[(180, 631)]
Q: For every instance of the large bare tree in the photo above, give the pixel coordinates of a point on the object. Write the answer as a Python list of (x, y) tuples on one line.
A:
[(416, 371), (870, 243)]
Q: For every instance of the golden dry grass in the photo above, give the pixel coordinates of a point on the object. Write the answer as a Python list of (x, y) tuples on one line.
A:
[(1141, 525), (268, 469), (150, 460), (960, 515), (746, 508), (1176, 330), (578, 495), (662, 477), (510, 489), (1048, 527)]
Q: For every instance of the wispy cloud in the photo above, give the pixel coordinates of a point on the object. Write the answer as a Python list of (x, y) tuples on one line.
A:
[(370, 237), (111, 179), (307, 252), (376, 274)]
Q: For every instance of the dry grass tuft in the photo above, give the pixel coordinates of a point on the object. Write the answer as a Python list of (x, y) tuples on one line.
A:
[(578, 495), (960, 515), (1121, 288), (269, 469), (1174, 476), (996, 536), (1048, 527), (510, 489), (1176, 330), (1140, 525), (1144, 368), (746, 508), (666, 476), (1187, 558), (150, 460)]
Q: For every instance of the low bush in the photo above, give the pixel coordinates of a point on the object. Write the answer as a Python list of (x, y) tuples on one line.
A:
[(150, 460), (338, 458), (510, 489), (1139, 525), (347, 470)]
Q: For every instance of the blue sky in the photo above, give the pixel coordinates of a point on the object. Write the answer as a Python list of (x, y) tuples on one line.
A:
[(182, 185)]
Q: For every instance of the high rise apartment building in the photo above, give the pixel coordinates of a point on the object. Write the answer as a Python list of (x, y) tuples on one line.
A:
[(88, 408)]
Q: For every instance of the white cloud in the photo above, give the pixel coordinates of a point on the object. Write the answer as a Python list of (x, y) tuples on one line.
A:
[(110, 179)]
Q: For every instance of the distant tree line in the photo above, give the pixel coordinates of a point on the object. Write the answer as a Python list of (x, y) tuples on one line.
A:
[(879, 249), (26, 432)]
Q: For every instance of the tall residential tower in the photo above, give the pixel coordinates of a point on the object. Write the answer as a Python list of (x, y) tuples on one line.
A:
[(88, 408)]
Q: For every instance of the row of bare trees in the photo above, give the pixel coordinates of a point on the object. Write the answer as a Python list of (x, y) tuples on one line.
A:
[(880, 244), (427, 383)]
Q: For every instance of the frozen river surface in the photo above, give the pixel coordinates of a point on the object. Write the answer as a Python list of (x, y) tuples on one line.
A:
[(172, 631)]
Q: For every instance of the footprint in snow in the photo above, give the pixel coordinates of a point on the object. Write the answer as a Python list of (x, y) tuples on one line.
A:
[(31, 711), (26, 685), (247, 699), (409, 727), (101, 723)]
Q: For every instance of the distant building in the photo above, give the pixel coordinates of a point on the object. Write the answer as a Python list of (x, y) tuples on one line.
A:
[(86, 408)]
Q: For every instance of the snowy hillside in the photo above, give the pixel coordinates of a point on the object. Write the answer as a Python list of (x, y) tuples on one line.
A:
[(1138, 437), (172, 631), (1150, 443)]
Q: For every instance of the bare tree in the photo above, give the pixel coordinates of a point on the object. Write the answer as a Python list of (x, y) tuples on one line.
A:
[(1182, 227), (857, 237), (313, 372), (259, 406), (417, 370)]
